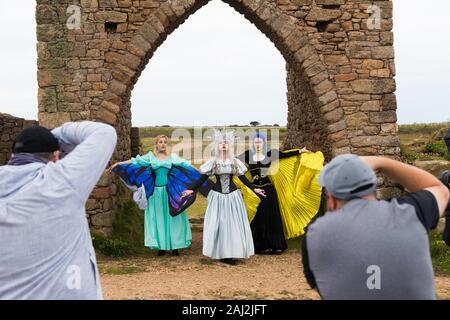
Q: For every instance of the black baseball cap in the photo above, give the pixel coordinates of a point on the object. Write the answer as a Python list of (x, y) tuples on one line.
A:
[(35, 139)]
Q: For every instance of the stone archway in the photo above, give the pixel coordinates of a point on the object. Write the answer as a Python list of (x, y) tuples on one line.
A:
[(339, 69)]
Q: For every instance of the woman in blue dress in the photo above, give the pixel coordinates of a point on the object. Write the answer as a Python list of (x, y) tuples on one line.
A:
[(163, 230)]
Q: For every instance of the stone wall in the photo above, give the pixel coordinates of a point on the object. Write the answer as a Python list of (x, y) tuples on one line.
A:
[(10, 127), (136, 144), (340, 68)]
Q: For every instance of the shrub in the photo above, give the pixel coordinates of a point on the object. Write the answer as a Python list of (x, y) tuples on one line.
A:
[(127, 236), (436, 147), (407, 155), (440, 253)]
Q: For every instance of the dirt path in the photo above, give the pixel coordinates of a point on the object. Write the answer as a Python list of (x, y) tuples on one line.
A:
[(193, 276)]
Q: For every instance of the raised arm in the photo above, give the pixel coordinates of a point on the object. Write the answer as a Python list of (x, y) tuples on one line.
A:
[(110, 169), (277, 154), (245, 181), (288, 154), (91, 145), (199, 182), (412, 178)]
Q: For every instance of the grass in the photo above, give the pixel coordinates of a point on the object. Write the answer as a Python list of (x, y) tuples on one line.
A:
[(440, 253), (423, 142), (437, 148), (421, 128), (416, 143), (127, 237)]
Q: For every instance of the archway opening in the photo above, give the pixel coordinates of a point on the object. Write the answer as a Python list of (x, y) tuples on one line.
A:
[(305, 123)]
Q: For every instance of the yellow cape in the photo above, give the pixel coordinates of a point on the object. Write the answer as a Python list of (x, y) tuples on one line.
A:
[(250, 198), (299, 194)]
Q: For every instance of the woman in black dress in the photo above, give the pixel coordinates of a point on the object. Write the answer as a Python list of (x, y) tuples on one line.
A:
[(267, 225)]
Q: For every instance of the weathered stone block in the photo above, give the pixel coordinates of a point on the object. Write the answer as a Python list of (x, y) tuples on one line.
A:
[(373, 105), (373, 86), (386, 52), (336, 60), (111, 16), (389, 102), (102, 219), (319, 14), (383, 117), (357, 119)]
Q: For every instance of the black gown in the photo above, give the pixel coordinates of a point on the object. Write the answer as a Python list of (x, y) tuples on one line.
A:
[(267, 226)]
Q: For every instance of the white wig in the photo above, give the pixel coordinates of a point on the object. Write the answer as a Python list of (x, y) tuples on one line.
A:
[(224, 136)]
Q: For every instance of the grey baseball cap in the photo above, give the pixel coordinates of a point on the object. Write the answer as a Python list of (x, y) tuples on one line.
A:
[(347, 177)]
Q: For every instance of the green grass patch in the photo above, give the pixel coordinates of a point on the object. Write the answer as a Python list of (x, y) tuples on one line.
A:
[(423, 128), (440, 253), (438, 148), (127, 237), (407, 155)]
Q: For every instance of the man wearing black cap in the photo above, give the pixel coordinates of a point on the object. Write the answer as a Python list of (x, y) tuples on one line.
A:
[(46, 250), (365, 248)]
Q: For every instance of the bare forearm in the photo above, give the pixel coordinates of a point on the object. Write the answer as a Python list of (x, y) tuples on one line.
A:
[(410, 177)]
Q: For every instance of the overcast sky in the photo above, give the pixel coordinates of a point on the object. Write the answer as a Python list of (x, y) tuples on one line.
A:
[(218, 69)]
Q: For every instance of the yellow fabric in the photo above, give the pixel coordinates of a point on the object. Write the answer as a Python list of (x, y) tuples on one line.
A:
[(299, 193), (250, 198)]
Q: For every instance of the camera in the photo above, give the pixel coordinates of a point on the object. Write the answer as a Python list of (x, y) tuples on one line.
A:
[(445, 179)]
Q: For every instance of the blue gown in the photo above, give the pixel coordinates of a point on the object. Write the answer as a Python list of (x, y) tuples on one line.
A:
[(162, 230)]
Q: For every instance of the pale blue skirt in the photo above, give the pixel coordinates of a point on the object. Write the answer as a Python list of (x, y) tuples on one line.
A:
[(226, 231)]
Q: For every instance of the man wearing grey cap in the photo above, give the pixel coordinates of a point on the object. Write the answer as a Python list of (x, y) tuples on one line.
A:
[(365, 248), (46, 249)]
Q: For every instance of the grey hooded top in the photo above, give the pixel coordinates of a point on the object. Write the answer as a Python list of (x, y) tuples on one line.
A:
[(46, 250)]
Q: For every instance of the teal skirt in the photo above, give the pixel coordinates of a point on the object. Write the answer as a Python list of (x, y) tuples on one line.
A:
[(162, 231)]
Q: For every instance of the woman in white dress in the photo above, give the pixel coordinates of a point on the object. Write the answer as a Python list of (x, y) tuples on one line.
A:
[(226, 233)]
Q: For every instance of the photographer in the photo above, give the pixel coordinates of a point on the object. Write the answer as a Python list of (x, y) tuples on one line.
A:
[(46, 250), (365, 248)]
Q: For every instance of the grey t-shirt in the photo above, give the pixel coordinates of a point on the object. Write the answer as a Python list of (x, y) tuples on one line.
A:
[(373, 249)]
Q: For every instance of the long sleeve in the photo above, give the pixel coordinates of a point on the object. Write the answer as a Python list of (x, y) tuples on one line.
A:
[(199, 182), (281, 155), (91, 145), (289, 154), (245, 181)]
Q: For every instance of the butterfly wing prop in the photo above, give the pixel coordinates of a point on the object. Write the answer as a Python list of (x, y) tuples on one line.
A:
[(180, 179)]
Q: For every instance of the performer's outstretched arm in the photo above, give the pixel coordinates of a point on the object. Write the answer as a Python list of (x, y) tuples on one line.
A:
[(194, 186), (248, 184), (283, 155), (245, 181)]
